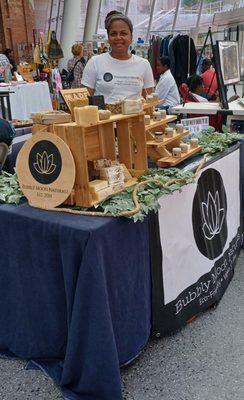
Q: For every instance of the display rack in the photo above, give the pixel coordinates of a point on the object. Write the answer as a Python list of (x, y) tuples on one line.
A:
[(161, 152), (98, 141)]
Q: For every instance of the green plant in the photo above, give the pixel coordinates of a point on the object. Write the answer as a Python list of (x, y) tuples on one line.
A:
[(214, 142), (9, 188)]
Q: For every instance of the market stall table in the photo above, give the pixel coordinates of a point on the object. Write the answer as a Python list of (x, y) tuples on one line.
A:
[(74, 290), (26, 98)]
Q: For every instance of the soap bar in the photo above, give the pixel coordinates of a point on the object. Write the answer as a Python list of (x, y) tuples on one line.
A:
[(117, 187), (104, 114), (86, 116), (131, 106), (97, 185), (102, 163), (102, 194), (112, 174), (95, 165), (127, 174)]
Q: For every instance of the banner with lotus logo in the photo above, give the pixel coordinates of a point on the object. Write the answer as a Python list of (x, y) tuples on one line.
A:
[(46, 170), (200, 239), (45, 162)]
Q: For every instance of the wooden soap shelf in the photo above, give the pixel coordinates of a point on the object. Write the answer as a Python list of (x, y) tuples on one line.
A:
[(170, 161), (157, 124), (161, 152)]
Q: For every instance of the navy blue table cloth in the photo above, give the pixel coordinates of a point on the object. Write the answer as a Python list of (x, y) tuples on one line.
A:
[(75, 295)]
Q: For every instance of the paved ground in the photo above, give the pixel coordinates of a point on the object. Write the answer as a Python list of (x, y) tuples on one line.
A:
[(204, 361)]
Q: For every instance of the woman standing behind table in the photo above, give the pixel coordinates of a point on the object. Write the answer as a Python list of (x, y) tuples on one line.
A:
[(118, 74)]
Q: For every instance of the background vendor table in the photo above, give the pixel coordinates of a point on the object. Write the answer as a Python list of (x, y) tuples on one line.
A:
[(208, 108), (28, 98)]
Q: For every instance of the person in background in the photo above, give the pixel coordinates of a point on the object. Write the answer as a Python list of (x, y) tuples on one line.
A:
[(209, 78), (118, 74), (195, 85), (77, 63), (10, 55), (166, 88), (5, 68)]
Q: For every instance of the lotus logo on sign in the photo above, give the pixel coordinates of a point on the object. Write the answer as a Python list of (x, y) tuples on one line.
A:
[(213, 216), (209, 214), (45, 162)]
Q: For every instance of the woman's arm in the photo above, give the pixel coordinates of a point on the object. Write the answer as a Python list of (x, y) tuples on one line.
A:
[(148, 81)]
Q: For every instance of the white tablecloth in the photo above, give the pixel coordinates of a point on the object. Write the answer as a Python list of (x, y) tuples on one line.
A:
[(208, 108), (28, 98)]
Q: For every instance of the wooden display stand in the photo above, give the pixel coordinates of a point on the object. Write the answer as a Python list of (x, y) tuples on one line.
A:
[(160, 152), (98, 141)]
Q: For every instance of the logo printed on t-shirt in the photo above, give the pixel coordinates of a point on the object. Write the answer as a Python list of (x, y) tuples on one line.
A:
[(107, 77)]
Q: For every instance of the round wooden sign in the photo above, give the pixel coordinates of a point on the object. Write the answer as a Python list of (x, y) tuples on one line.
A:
[(46, 170)]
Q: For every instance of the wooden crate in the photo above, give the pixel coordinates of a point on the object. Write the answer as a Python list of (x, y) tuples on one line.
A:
[(42, 128), (98, 141)]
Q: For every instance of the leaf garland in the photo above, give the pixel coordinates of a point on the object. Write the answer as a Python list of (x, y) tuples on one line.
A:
[(9, 188), (149, 194), (213, 142)]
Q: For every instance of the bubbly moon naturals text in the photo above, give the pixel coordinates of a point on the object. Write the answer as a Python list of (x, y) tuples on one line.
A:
[(44, 191), (212, 284)]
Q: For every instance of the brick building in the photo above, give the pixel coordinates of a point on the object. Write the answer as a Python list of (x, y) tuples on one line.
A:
[(16, 27)]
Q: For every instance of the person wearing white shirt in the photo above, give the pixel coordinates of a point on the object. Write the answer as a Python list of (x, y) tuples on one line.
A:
[(118, 75), (166, 87)]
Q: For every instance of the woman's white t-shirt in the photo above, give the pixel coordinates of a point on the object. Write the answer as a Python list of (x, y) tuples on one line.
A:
[(117, 79)]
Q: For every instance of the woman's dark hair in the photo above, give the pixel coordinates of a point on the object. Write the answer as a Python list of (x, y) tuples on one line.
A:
[(193, 82), (165, 61), (207, 62), (117, 16)]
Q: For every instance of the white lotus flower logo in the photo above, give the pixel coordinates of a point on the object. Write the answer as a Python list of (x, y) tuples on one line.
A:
[(44, 163), (213, 216)]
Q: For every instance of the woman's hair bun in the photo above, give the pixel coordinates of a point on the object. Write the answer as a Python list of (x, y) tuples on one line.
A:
[(116, 15), (109, 15)]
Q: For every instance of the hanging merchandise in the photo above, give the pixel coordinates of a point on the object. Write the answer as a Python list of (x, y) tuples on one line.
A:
[(154, 53), (54, 50), (181, 51), (43, 54), (185, 58), (37, 55), (56, 80)]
